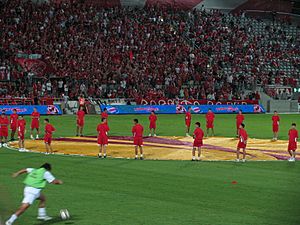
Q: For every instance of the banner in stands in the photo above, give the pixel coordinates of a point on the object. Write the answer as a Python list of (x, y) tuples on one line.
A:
[(177, 109), (28, 109), (194, 102)]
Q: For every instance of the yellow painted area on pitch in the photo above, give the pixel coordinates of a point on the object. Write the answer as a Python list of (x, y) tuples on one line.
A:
[(214, 151)]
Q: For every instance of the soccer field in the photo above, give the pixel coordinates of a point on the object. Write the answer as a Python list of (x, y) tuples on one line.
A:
[(153, 192)]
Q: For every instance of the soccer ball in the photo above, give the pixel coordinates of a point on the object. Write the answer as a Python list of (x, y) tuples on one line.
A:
[(64, 214)]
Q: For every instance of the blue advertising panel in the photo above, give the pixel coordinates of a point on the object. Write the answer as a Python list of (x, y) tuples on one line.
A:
[(28, 109), (177, 109)]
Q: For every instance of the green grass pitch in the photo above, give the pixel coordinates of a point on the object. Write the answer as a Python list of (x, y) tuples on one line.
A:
[(128, 192)]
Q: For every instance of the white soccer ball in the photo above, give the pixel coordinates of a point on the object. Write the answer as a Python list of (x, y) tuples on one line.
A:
[(64, 214)]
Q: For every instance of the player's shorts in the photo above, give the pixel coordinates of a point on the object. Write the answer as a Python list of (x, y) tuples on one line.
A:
[(188, 123), (102, 140), (80, 123), (238, 125), (4, 132), (48, 139), (138, 141), (21, 135), (275, 128), (241, 145), (31, 194), (209, 124), (292, 146), (198, 143), (35, 125), (152, 126), (13, 127)]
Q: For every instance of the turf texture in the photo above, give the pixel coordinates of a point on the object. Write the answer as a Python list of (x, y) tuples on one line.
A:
[(129, 192)]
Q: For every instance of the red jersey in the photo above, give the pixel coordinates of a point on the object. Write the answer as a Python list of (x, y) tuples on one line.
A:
[(4, 122), (80, 115), (137, 130), (188, 116), (21, 125), (198, 134), (243, 136), (104, 115), (102, 129), (152, 118), (276, 120), (49, 129), (293, 135), (210, 116), (240, 118), (14, 119), (35, 116)]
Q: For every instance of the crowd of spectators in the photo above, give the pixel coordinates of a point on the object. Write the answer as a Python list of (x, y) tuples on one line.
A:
[(141, 52)]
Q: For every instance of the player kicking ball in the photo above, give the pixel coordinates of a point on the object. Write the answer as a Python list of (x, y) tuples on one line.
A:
[(243, 137), (49, 129), (21, 126), (292, 147), (198, 141), (35, 182), (102, 139), (137, 131), (152, 126)]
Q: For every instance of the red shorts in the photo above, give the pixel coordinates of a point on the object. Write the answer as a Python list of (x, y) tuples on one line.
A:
[(102, 140), (275, 128), (209, 124), (198, 143), (21, 135), (188, 123), (292, 146), (13, 127), (35, 125), (138, 141), (48, 139), (241, 145), (4, 132), (80, 123), (238, 125), (152, 126)]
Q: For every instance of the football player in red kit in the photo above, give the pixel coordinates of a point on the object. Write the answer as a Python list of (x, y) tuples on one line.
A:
[(188, 120), (102, 139), (80, 121), (243, 137), (210, 117), (104, 114), (21, 133), (239, 120), (152, 126), (35, 123), (137, 131), (275, 119), (49, 129), (13, 124), (4, 123), (292, 147), (198, 141)]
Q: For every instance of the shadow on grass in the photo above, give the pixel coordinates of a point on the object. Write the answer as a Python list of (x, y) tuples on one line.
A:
[(58, 220)]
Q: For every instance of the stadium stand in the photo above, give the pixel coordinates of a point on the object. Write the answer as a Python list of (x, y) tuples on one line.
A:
[(52, 49)]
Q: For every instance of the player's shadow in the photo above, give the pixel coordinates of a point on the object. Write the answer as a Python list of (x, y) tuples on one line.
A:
[(57, 220)]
